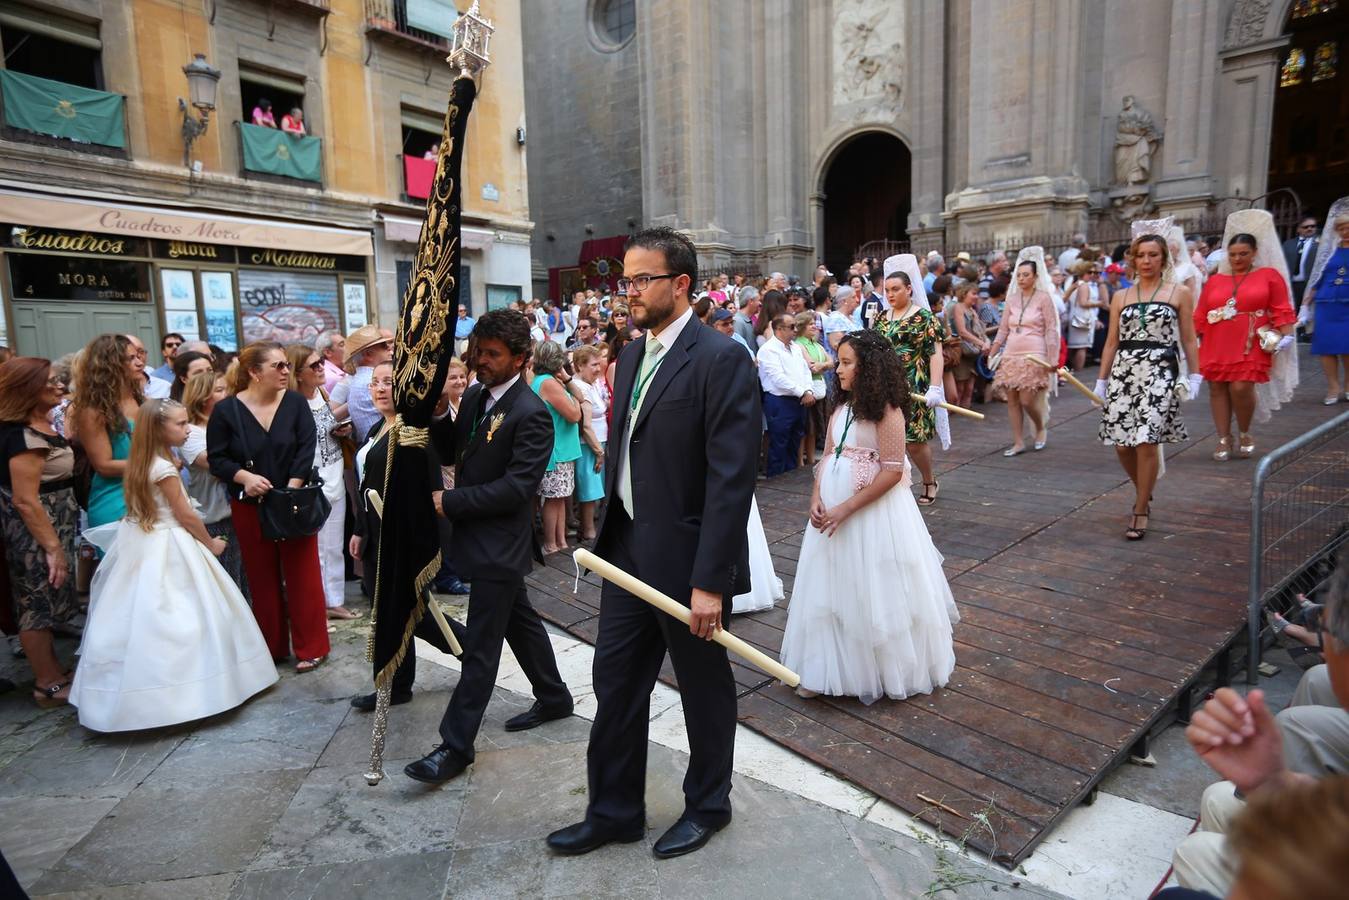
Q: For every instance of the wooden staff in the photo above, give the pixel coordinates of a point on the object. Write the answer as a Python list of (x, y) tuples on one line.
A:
[(1068, 377), (950, 407), (377, 504), (638, 588)]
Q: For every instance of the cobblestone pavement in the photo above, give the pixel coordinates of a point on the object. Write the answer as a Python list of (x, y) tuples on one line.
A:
[(269, 801)]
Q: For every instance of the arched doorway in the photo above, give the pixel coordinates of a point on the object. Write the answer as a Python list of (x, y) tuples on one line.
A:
[(1309, 144), (866, 196)]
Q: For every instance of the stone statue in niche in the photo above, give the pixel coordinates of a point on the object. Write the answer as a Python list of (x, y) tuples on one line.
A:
[(1136, 140), (869, 56)]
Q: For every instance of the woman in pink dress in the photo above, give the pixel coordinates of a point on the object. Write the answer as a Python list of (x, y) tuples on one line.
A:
[(1029, 327)]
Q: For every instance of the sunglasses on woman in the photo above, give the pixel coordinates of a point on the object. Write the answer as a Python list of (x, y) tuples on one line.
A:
[(316, 366)]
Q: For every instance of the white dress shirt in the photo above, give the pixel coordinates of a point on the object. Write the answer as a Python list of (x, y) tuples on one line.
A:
[(666, 337), (784, 370)]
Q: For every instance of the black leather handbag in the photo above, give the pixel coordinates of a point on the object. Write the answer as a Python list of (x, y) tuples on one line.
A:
[(286, 512)]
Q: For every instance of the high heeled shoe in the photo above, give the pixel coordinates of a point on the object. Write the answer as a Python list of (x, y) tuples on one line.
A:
[(1246, 447), (1224, 450)]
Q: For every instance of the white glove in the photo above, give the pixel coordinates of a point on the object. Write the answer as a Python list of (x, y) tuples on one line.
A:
[(1285, 342), (1304, 316), (1195, 380), (935, 394), (1101, 385)]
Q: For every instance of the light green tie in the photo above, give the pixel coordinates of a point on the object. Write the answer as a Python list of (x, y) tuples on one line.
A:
[(645, 372)]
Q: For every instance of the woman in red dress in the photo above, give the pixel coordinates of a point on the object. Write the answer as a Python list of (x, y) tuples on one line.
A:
[(1233, 311)]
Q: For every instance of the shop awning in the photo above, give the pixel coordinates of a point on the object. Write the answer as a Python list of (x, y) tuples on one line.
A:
[(177, 224), (409, 231)]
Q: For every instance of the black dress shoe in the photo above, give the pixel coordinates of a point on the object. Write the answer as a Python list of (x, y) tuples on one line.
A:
[(684, 836), (366, 702), (586, 836), (437, 767), (535, 716)]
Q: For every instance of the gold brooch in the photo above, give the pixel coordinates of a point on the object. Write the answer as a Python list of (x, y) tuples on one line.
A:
[(496, 423)]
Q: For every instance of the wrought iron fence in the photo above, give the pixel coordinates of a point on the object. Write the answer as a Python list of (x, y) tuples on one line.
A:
[(1107, 234), (391, 16), (1299, 520)]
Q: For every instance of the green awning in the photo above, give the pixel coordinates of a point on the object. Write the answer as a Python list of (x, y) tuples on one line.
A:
[(275, 152), (62, 110)]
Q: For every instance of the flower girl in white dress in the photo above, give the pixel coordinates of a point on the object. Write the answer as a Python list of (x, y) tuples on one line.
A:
[(169, 638), (871, 612)]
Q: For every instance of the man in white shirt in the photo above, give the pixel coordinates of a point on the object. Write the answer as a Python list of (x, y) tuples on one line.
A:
[(1070, 256), (784, 374), (154, 388)]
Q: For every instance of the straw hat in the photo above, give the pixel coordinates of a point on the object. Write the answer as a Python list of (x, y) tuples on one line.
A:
[(364, 338)]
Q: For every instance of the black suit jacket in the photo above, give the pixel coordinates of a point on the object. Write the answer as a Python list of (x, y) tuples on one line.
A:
[(495, 481), (1293, 258), (695, 452)]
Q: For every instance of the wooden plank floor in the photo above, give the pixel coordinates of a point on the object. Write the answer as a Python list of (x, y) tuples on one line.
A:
[(1071, 642)]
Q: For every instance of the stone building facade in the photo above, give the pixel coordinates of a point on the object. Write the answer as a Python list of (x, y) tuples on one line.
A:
[(781, 132), (331, 245)]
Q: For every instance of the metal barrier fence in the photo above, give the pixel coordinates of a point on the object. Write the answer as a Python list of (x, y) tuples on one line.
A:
[(1299, 518)]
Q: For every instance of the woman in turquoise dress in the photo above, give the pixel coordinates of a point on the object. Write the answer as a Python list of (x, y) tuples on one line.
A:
[(566, 404), (1328, 295), (107, 396)]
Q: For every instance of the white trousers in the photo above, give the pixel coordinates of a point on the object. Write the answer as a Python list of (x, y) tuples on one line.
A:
[(330, 555)]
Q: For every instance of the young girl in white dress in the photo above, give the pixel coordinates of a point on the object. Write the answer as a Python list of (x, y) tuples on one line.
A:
[(871, 612), (169, 637)]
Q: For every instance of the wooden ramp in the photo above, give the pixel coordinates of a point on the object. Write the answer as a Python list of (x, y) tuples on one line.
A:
[(1072, 642)]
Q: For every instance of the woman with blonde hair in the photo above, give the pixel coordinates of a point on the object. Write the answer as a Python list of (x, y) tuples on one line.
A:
[(567, 404), (306, 378), (200, 395), (169, 638), (110, 379), (260, 438)]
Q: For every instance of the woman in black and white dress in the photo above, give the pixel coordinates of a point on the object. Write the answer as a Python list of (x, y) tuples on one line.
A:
[(1140, 372)]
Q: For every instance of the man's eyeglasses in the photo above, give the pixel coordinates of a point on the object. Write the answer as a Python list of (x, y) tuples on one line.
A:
[(640, 282), (173, 345), (381, 382)]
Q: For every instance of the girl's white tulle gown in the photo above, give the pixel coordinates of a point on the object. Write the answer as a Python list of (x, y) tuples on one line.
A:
[(169, 638), (765, 587), (871, 612)]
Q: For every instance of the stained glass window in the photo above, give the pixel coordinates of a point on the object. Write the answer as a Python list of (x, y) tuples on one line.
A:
[(1304, 8), (1325, 62), (1293, 65)]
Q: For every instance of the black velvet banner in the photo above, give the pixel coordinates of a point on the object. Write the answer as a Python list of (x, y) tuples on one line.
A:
[(409, 547)]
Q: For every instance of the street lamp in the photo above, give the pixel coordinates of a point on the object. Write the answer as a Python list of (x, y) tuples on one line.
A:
[(201, 85)]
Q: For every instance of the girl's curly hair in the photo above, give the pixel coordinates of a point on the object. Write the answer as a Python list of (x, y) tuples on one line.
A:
[(880, 380), (102, 380)]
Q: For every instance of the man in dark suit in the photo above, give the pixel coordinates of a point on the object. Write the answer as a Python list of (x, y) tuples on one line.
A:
[(1300, 253), (502, 441), (680, 475)]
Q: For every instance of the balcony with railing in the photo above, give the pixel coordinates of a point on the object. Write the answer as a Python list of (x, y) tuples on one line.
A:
[(274, 154), (419, 23), (313, 7), (54, 113)]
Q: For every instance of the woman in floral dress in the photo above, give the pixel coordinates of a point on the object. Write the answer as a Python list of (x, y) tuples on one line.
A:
[(1140, 372), (916, 336)]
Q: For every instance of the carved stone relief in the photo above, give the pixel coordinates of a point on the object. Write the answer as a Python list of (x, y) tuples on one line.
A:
[(869, 56), (1247, 24)]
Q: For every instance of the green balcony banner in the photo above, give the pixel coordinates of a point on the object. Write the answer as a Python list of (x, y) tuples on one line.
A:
[(62, 110), (275, 152)]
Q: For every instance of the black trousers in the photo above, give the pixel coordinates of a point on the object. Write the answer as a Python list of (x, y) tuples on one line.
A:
[(633, 639), (429, 631), (498, 609)]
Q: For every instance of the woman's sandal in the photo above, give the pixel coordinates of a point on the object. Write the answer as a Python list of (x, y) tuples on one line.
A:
[(1246, 447), (309, 665), (1224, 450), (47, 698), (925, 499), (1133, 532)]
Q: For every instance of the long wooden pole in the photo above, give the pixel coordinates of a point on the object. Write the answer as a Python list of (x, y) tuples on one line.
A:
[(638, 588), (1068, 377), (950, 407)]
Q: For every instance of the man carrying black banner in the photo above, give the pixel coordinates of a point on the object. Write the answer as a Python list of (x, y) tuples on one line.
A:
[(502, 441)]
